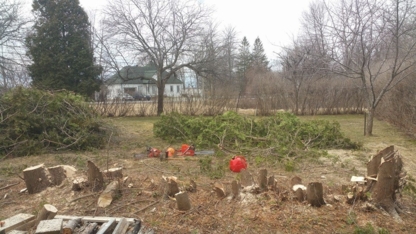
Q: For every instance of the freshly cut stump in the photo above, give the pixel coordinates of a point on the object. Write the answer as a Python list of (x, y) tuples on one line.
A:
[(315, 194)]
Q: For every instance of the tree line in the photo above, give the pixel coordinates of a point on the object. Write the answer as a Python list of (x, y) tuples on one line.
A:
[(346, 50)]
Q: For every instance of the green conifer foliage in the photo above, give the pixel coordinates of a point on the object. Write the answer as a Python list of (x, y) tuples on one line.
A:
[(60, 47)]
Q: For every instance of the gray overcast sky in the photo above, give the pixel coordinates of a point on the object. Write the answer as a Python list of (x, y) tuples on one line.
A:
[(274, 21)]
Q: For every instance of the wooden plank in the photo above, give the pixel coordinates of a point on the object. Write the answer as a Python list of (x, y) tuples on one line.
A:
[(121, 227), (93, 219), (107, 227), (51, 226), (15, 222)]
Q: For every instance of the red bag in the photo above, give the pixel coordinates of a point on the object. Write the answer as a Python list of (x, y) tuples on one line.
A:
[(237, 163)]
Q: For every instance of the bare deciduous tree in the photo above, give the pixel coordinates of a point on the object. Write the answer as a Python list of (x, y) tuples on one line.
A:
[(369, 40), (164, 32), (12, 25)]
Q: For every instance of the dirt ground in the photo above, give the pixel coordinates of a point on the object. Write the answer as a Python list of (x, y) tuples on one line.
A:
[(266, 212)]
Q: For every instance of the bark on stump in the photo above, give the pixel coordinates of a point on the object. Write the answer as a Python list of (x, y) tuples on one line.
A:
[(183, 201), (219, 190), (315, 194), (246, 178), (387, 165), (95, 177), (169, 186), (57, 175), (262, 180), (36, 178)]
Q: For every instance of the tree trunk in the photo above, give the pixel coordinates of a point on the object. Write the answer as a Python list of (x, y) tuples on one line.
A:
[(369, 121), (160, 96), (36, 178), (315, 194)]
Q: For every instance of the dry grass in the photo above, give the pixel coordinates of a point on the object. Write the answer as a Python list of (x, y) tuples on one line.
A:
[(268, 212)]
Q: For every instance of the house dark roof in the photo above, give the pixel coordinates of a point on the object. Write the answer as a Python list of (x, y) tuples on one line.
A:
[(138, 75)]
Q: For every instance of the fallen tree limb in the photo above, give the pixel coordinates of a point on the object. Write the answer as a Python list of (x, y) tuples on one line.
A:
[(144, 208), (10, 185), (78, 198)]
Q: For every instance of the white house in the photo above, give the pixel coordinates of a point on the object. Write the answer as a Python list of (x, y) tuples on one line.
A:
[(136, 80)]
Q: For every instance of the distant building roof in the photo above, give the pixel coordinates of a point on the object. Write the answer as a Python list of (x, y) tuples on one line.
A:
[(138, 75)]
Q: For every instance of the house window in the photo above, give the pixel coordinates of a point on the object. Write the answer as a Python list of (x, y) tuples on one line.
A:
[(171, 88), (178, 89)]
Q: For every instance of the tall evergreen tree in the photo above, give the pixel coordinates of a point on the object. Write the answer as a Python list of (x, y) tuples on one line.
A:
[(243, 64), (60, 47), (259, 58)]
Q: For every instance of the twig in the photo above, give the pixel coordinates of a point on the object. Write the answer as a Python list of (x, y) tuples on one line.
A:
[(20, 177), (78, 198), (154, 168), (144, 208), (10, 185), (130, 203)]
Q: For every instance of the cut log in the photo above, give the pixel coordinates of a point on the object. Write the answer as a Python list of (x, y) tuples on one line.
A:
[(16, 222), (219, 189), (235, 188), (71, 225), (95, 177), (183, 202), (52, 226), (57, 175), (90, 228), (113, 173), (36, 178), (315, 194), (108, 194), (47, 212), (121, 227), (107, 227), (79, 183), (262, 180), (246, 178)]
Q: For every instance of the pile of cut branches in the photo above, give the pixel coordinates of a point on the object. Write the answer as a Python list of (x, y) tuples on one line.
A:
[(283, 134), (32, 121)]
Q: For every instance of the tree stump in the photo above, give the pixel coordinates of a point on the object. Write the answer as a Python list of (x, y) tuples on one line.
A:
[(95, 177), (36, 178), (387, 165), (315, 194), (183, 201), (169, 186), (246, 178), (262, 180), (235, 188), (57, 175), (219, 190), (108, 194), (79, 183), (113, 173), (295, 180)]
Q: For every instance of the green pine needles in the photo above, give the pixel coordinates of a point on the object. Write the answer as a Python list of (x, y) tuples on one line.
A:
[(282, 135)]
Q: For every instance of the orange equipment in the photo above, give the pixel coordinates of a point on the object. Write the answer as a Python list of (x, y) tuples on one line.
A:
[(238, 163), (170, 152), (153, 152), (186, 150)]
